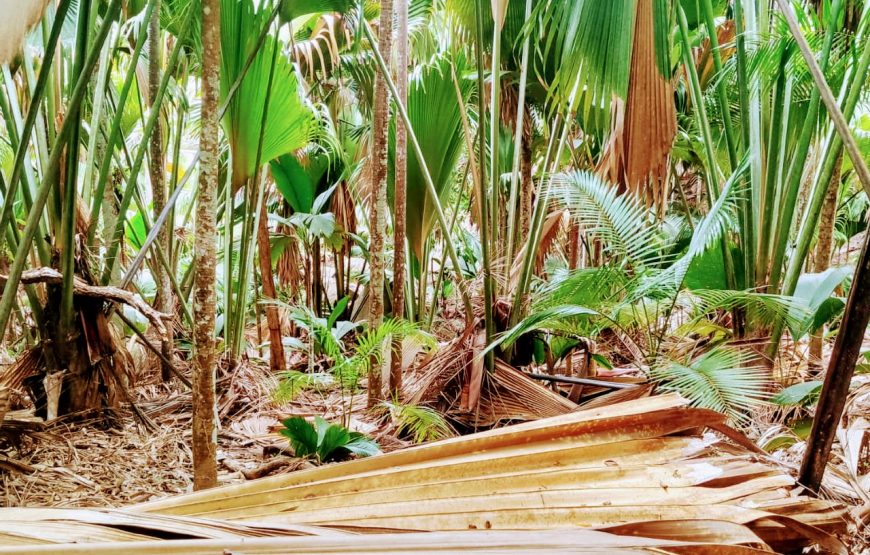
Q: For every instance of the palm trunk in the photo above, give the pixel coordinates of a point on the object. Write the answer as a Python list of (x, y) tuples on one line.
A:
[(400, 195), (164, 302), (823, 250), (204, 408), (378, 221), (273, 319)]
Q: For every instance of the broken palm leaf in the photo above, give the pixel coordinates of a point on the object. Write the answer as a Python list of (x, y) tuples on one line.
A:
[(627, 465), (514, 542)]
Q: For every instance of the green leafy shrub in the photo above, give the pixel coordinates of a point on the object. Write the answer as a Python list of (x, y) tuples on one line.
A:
[(326, 442)]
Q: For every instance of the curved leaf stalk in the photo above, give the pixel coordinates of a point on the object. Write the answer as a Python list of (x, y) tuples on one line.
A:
[(70, 190), (430, 186), (249, 235), (712, 170), (115, 130), (833, 147), (796, 168), (7, 301), (118, 234), (35, 102), (748, 204), (543, 196), (9, 106), (485, 227), (721, 94), (518, 139)]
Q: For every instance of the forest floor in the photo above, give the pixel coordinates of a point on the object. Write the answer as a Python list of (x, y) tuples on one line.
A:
[(115, 459)]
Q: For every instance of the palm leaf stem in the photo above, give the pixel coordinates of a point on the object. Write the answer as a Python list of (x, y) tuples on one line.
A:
[(36, 100), (485, 227), (70, 191), (7, 301), (712, 170), (796, 168), (430, 186), (510, 240), (118, 233), (115, 130)]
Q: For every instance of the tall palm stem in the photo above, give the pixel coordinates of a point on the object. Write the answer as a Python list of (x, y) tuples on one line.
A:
[(427, 176), (7, 301)]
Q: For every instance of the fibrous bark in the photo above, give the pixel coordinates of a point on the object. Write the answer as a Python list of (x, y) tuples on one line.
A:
[(273, 319), (204, 410), (399, 210), (157, 170), (378, 200)]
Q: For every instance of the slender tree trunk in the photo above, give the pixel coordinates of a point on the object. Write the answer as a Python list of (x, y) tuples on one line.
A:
[(824, 248), (157, 169), (204, 408), (378, 220), (273, 319), (400, 193), (527, 189)]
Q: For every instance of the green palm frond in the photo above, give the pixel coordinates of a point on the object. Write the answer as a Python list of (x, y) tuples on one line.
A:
[(421, 423), (554, 319), (437, 121), (623, 225), (762, 308), (722, 379), (370, 348), (587, 45), (293, 383), (716, 223), (592, 287)]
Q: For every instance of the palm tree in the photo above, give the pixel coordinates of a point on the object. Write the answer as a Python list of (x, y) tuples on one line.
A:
[(204, 423), (400, 176), (378, 196)]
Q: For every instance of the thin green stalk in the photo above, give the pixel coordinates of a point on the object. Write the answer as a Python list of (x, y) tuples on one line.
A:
[(11, 114), (833, 148), (796, 168), (118, 233), (70, 191), (105, 70), (712, 170), (30, 121), (427, 176), (7, 301), (721, 94), (748, 218), (485, 228), (115, 130), (518, 141)]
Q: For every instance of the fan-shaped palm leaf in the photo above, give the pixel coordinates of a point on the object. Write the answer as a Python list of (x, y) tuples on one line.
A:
[(437, 121), (289, 123)]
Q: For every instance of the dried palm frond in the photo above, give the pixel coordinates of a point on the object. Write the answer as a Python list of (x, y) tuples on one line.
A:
[(641, 467), (477, 541), (644, 126)]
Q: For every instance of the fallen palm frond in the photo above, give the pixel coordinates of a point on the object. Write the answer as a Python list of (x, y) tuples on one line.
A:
[(514, 542), (641, 467), (455, 382)]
